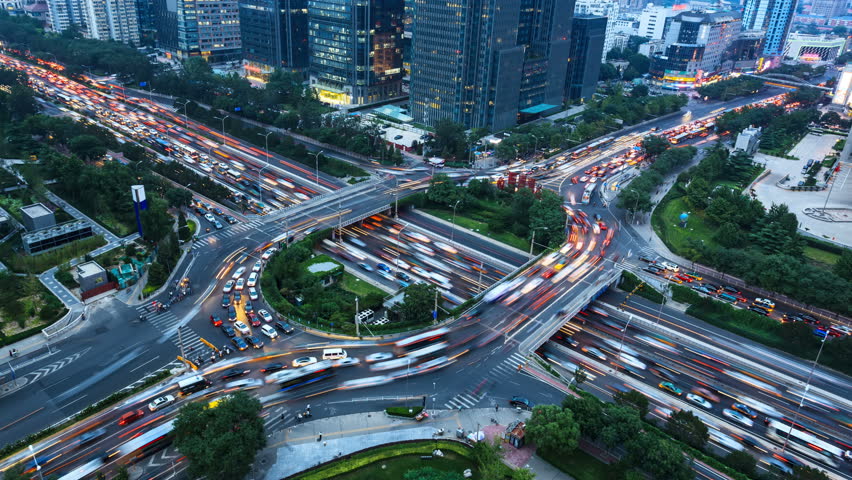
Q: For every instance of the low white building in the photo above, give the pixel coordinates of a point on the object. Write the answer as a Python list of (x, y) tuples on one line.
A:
[(814, 48), (748, 140)]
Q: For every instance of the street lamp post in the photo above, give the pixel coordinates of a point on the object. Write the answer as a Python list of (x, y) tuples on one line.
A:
[(316, 156), (185, 121), (398, 241), (223, 129), (805, 392), (35, 460), (536, 145), (453, 231), (532, 241), (266, 139)]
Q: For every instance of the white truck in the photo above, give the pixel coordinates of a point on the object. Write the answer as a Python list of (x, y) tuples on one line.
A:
[(436, 162)]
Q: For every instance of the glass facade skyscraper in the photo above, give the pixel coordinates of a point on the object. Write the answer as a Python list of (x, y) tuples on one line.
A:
[(274, 35), (773, 17), (588, 35), (209, 28), (355, 50), (479, 62)]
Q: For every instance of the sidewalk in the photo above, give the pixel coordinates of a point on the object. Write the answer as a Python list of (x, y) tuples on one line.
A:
[(298, 448)]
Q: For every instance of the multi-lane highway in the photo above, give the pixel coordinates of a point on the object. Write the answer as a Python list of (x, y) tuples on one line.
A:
[(474, 363)]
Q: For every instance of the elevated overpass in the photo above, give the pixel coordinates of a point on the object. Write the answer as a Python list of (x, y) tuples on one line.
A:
[(785, 81)]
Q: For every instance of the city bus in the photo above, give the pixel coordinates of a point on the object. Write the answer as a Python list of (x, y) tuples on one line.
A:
[(422, 340), (807, 444), (587, 193), (300, 377), (234, 174), (193, 384)]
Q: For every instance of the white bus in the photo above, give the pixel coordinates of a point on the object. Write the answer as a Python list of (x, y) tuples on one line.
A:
[(234, 174), (807, 444)]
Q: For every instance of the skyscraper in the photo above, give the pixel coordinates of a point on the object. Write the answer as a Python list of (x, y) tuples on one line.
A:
[(829, 8), (274, 35), (601, 8), (210, 29), (587, 42), (772, 16), (112, 20), (355, 50), (63, 13), (478, 62)]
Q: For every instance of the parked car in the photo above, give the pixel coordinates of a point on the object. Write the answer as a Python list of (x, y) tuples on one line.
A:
[(522, 402)]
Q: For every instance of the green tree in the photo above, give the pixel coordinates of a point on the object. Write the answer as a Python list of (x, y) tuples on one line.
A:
[(742, 462), (588, 411), (523, 474), (418, 303), (547, 217), (620, 425), (442, 190), (553, 429), (608, 72), (633, 399), (807, 473), (449, 140), (685, 426), (655, 145), (729, 235), (207, 436), (157, 274), (156, 221), (698, 193), (843, 267), (21, 102), (505, 151), (580, 376), (639, 91), (87, 147), (429, 473), (178, 197), (840, 30)]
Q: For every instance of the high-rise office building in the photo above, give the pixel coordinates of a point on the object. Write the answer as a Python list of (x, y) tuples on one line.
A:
[(480, 62), (601, 8), (829, 8), (63, 13), (355, 50), (274, 35), (210, 29), (587, 41), (165, 24), (146, 14), (652, 21), (772, 16), (697, 47), (112, 20)]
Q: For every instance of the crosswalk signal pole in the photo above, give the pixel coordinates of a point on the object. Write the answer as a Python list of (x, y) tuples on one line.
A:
[(182, 353), (357, 318)]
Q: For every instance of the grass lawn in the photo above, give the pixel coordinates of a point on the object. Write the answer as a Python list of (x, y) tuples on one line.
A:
[(13, 256), (581, 466), (821, 256), (666, 222), (395, 468), (481, 228), (355, 285)]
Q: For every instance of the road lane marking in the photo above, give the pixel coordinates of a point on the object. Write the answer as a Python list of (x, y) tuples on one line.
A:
[(146, 363), (21, 419)]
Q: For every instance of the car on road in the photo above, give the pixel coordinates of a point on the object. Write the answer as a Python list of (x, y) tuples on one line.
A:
[(575, 180), (226, 301), (699, 400), (209, 217), (765, 303), (671, 388), (273, 367), (731, 290), (403, 276), (252, 293), (522, 402), (254, 341), (234, 373), (385, 275), (567, 340), (241, 282), (252, 279), (232, 313), (229, 331), (738, 417), (249, 307), (304, 361), (239, 343), (257, 266), (217, 211), (264, 315), (670, 266), (269, 331), (218, 225), (744, 409), (594, 352), (759, 309), (347, 362), (238, 273), (215, 320), (268, 253), (161, 402), (383, 267), (229, 285), (378, 357), (130, 417), (253, 320), (365, 267), (230, 219), (238, 297), (242, 328), (842, 329), (284, 327)]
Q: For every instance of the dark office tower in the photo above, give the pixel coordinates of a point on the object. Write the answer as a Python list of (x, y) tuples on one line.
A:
[(165, 21), (355, 50), (772, 16), (210, 29), (274, 35), (587, 41), (145, 17), (479, 62)]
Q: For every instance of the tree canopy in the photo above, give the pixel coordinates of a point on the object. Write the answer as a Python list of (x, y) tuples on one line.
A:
[(553, 429), (220, 443)]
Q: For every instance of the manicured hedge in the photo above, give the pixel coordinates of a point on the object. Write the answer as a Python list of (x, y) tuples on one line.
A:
[(404, 411), (629, 282)]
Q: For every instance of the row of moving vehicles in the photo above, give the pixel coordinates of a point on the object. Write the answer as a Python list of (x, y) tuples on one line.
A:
[(734, 296), (737, 394)]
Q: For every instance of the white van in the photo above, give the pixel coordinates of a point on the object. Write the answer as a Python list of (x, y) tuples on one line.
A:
[(670, 266), (333, 354)]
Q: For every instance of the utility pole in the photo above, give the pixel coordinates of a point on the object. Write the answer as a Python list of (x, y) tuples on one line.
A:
[(481, 269), (223, 132), (357, 323), (435, 314), (396, 200), (182, 352)]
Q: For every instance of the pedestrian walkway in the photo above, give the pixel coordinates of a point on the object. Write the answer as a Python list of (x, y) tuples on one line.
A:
[(168, 323), (207, 239), (305, 445), (471, 397)]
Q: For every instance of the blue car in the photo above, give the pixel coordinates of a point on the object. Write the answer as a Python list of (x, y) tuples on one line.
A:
[(365, 267), (383, 267), (229, 331), (239, 343)]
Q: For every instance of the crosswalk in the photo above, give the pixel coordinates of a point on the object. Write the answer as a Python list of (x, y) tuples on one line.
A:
[(226, 233), (475, 394), (166, 321), (277, 418)]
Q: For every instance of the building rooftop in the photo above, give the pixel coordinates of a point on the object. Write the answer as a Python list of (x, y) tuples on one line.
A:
[(541, 107), (89, 268), (394, 112), (36, 210)]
